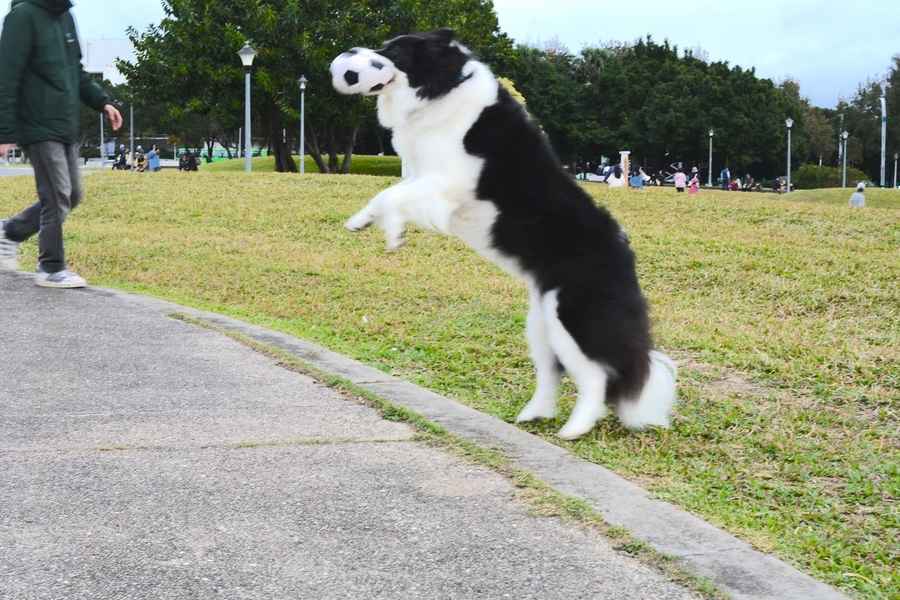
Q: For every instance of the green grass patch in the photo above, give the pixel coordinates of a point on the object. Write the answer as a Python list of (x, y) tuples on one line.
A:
[(783, 311), (361, 164), (875, 197)]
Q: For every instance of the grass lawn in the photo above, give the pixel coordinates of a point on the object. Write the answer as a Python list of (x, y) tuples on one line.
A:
[(875, 197), (783, 311), (388, 166)]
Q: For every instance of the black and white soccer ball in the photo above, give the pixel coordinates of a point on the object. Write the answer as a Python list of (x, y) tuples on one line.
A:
[(361, 71)]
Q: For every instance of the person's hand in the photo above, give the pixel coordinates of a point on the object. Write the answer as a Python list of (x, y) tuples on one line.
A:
[(5, 149), (114, 116)]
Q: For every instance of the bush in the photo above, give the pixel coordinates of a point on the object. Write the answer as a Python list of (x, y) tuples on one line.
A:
[(90, 152), (810, 177)]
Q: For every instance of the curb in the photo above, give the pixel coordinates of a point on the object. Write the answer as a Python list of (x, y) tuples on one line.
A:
[(732, 565)]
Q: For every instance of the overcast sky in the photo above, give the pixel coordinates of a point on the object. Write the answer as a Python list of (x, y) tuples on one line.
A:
[(830, 46)]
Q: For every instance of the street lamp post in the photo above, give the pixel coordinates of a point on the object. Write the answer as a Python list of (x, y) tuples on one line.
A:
[(709, 180), (844, 137), (790, 125), (131, 134), (303, 81), (883, 138), (247, 54), (840, 140)]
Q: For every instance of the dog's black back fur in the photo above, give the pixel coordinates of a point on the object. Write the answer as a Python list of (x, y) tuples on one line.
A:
[(565, 241), (549, 224)]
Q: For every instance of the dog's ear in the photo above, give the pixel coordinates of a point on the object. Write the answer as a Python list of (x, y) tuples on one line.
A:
[(445, 34)]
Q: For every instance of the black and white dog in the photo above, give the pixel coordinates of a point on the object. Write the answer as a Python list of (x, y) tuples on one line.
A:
[(477, 167)]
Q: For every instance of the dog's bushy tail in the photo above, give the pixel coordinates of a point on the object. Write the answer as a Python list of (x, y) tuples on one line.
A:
[(653, 407)]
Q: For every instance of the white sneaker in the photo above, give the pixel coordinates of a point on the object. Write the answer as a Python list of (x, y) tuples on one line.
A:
[(61, 279), (9, 251)]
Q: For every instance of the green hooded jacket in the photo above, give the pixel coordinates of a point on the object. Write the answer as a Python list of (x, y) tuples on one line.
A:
[(42, 82)]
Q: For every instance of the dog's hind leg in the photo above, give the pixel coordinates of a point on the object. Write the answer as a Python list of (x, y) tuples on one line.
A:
[(543, 403), (590, 377)]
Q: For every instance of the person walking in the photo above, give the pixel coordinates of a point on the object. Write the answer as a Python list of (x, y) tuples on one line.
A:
[(725, 178), (42, 84), (680, 180)]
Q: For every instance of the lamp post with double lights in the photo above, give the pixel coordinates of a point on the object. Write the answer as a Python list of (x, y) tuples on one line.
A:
[(247, 54), (709, 181), (883, 137), (844, 137), (303, 81)]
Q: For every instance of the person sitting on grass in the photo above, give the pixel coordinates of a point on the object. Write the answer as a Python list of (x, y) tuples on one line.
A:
[(187, 162), (140, 160), (636, 180), (121, 163), (694, 184), (748, 183), (858, 199)]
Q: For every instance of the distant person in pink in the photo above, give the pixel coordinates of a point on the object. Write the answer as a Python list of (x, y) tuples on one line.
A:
[(680, 180), (694, 185)]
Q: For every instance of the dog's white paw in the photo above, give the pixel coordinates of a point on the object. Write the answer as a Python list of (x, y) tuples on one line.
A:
[(394, 243), (359, 221), (537, 408), (583, 419), (573, 431)]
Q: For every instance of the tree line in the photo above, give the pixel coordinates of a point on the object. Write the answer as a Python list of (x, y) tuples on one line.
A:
[(661, 103), (648, 97)]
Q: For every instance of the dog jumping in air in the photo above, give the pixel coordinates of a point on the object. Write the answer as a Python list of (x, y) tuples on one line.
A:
[(477, 167)]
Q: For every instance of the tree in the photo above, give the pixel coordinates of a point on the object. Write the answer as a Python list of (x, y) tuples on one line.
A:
[(548, 81), (893, 105), (185, 67), (660, 104), (190, 61), (820, 135)]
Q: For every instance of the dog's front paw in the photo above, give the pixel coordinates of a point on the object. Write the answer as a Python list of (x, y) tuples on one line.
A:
[(536, 410), (359, 221), (394, 243)]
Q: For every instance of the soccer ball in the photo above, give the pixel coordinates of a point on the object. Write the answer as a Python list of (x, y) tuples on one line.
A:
[(361, 71)]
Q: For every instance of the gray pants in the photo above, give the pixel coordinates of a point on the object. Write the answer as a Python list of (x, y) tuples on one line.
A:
[(59, 191)]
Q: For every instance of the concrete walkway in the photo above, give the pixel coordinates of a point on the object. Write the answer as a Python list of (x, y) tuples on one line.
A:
[(143, 457), (15, 171)]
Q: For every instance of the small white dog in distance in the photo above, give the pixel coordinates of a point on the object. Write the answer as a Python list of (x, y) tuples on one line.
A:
[(477, 167)]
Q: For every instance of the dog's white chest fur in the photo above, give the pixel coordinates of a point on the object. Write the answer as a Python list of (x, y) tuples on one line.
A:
[(440, 177), (428, 134)]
